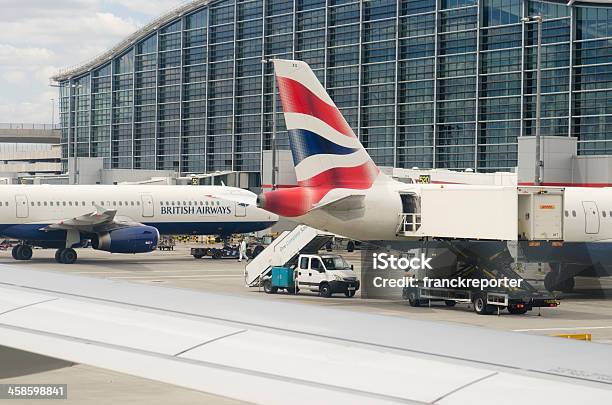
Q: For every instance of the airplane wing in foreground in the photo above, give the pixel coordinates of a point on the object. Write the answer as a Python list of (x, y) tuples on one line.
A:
[(270, 352)]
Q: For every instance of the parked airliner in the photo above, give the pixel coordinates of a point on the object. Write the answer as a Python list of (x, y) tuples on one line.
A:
[(121, 219), (341, 190)]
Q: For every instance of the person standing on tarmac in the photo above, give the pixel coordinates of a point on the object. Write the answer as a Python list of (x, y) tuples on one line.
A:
[(242, 250)]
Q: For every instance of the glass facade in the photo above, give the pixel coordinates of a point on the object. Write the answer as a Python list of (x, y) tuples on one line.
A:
[(426, 83)]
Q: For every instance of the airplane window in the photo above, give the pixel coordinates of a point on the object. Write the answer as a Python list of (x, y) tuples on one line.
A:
[(161, 203), (603, 213), (37, 203), (574, 213), (132, 203), (184, 202), (120, 204), (51, 203), (114, 202), (137, 202), (32, 203), (0, 203), (45, 203), (566, 213), (126, 203), (610, 214), (69, 203), (206, 202)]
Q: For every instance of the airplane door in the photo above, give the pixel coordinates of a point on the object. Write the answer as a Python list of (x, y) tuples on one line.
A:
[(147, 205), (21, 202), (240, 210), (591, 217)]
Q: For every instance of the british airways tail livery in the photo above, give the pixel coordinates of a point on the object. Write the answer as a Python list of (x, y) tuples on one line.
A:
[(121, 219), (341, 190), (328, 157)]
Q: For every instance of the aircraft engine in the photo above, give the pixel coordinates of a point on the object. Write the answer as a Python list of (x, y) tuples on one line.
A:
[(133, 239)]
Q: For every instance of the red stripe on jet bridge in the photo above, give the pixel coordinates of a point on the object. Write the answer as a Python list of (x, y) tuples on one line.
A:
[(297, 98), (552, 184), (358, 177)]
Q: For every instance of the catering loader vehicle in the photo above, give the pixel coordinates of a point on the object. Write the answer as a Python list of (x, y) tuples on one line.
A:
[(326, 274), (292, 263)]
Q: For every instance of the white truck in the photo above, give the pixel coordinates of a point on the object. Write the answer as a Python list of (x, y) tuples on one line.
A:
[(325, 274), (291, 263)]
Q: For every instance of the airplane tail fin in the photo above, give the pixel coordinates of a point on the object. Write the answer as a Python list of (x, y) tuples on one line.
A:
[(326, 152)]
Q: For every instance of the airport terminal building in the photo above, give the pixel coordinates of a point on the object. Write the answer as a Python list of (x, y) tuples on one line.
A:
[(427, 83)]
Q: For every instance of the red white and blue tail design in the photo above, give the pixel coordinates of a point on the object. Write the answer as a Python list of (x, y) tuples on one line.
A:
[(326, 153)]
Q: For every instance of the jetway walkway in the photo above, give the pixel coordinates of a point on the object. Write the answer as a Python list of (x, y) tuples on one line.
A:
[(283, 251)]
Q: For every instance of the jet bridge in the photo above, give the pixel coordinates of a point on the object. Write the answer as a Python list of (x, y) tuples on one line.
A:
[(284, 251), (442, 211)]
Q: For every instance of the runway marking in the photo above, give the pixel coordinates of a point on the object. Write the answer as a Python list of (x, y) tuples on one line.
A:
[(192, 277), (551, 329)]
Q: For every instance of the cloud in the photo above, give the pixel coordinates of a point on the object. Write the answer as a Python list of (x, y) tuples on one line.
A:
[(14, 56), (40, 36)]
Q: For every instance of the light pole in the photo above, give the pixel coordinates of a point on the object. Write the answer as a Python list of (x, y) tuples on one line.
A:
[(538, 155), (274, 163), (52, 114)]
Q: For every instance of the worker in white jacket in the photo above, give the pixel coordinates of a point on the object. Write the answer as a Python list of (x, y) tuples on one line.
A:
[(242, 250)]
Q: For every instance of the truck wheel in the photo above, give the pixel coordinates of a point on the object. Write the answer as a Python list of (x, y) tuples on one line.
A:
[(325, 290), (350, 246), (198, 255), (267, 285), (350, 293), (216, 254), (480, 305), (450, 303)]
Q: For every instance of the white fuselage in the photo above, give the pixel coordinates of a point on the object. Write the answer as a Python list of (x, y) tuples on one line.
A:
[(24, 209)]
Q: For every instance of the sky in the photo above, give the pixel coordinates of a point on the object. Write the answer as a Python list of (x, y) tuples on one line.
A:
[(40, 37)]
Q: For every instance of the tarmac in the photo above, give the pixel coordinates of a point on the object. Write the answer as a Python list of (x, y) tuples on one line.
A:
[(580, 312)]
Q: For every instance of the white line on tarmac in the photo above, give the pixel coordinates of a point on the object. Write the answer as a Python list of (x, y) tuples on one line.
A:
[(151, 271), (158, 276), (576, 328)]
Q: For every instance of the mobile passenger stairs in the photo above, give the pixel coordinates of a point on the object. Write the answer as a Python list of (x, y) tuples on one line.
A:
[(284, 251), (488, 260)]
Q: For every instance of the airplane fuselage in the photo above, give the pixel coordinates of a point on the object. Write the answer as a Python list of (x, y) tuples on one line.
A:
[(200, 210)]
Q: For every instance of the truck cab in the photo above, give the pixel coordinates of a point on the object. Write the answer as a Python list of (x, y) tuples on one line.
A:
[(327, 274)]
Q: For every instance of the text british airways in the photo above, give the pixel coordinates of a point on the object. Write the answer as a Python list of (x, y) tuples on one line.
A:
[(216, 210)]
